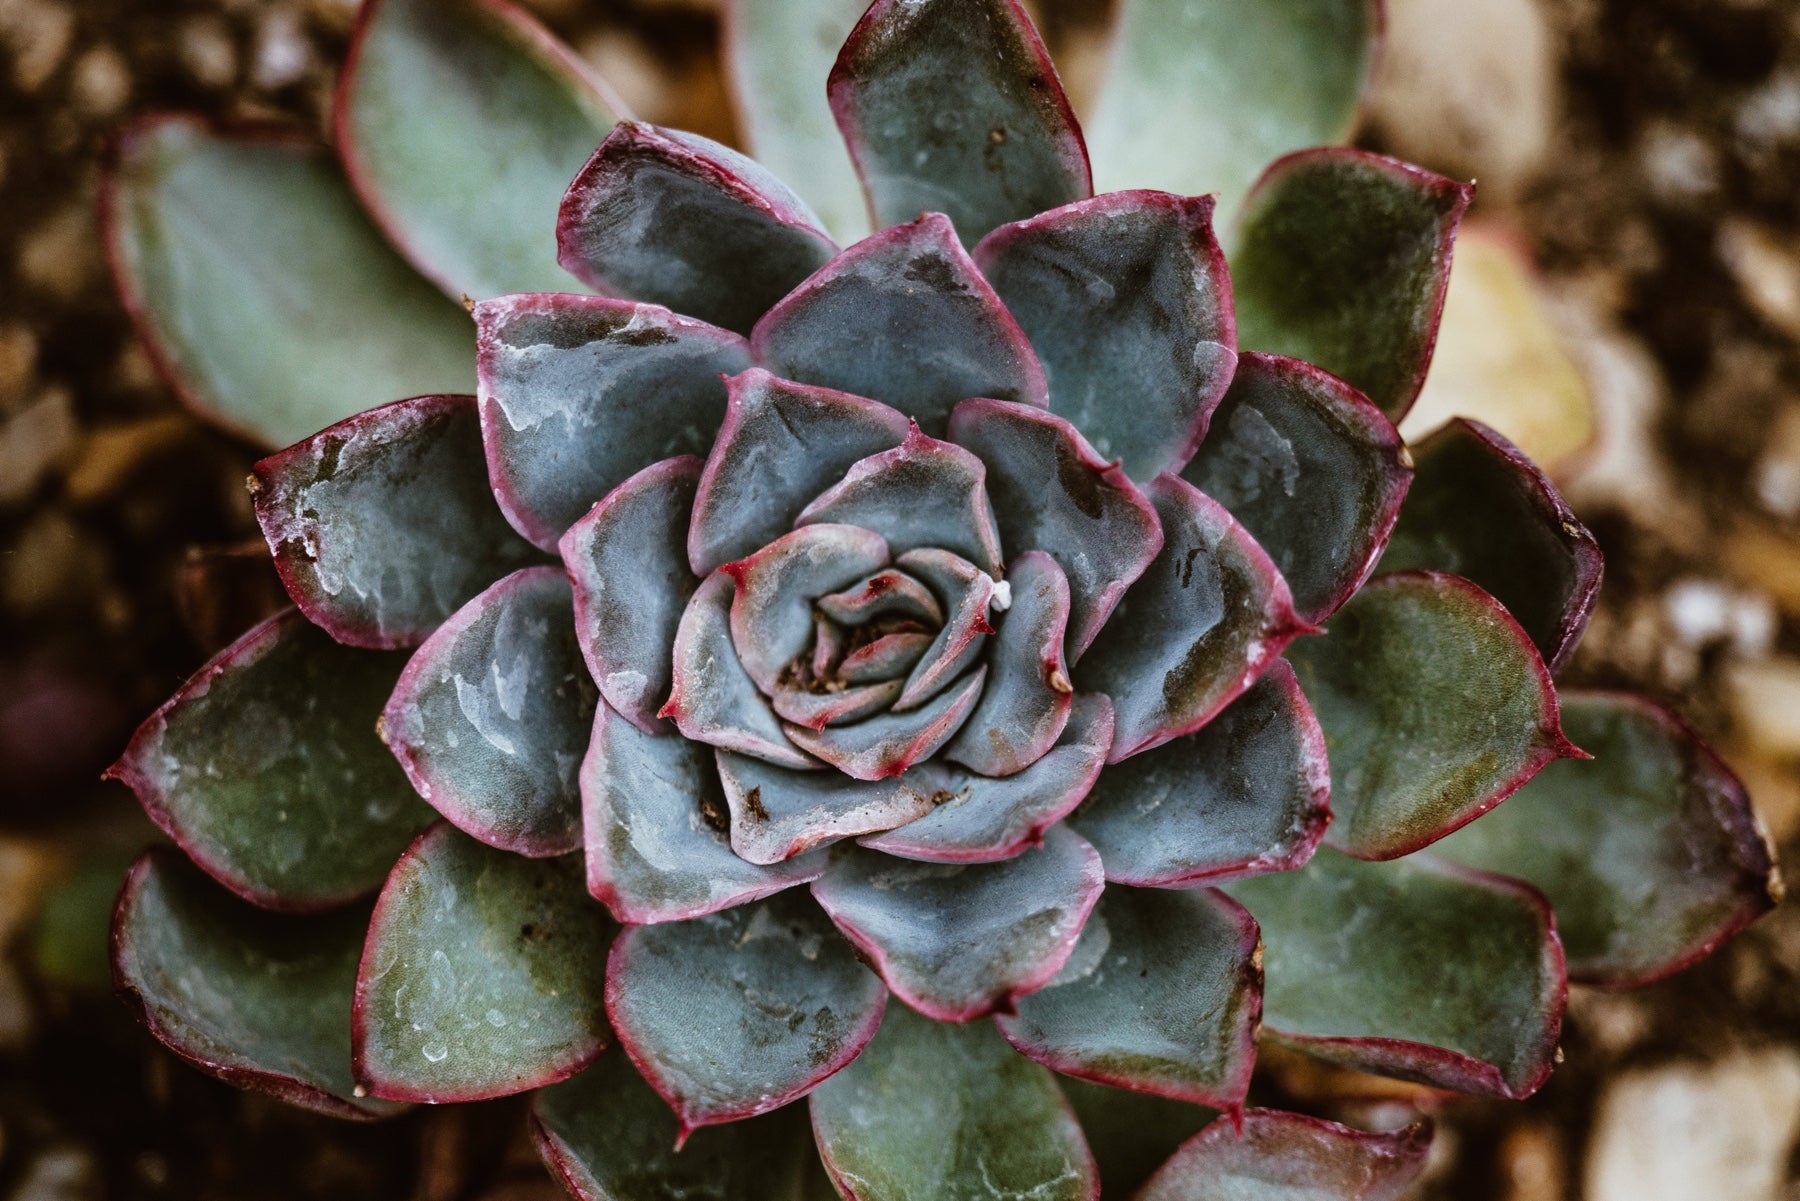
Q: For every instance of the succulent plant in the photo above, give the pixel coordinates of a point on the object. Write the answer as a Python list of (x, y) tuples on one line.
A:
[(903, 675)]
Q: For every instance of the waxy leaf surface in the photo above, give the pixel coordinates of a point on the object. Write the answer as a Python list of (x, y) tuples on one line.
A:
[(1131, 1134), (1026, 701), (777, 814), (889, 743), (261, 288), (482, 974), (1276, 1156), (772, 608), (714, 700)]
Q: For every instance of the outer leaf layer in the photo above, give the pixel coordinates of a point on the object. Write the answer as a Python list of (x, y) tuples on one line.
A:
[(1649, 853), (382, 526), (777, 814), (1275, 1156), (260, 287), (461, 122), (1342, 259), (258, 999), (714, 700), (936, 1110), (1419, 969), (481, 975), (266, 769), (1131, 1134), (1435, 708)]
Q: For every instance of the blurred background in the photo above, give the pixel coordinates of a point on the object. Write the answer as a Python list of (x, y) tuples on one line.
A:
[(1625, 305)]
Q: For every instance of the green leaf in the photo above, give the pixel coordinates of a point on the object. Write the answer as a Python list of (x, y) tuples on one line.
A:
[(1275, 1156), (258, 999), (778, 56), (461, 123), (1435, 708), (608, 1137), (260, 287), (1131, 1134), (1420, 969), (482, 975), (1342, 258), (265, 768), (948, 1112), (1649, 852), (1198, 97)]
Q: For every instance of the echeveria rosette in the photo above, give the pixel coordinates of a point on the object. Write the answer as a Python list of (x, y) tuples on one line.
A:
[(959, 650)]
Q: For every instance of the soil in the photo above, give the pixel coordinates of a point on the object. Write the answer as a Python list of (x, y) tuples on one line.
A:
[(128, 554)]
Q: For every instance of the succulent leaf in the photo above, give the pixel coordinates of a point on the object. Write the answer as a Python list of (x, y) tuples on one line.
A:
[(279, 722), (627, 562), (781, 445), (460, 123), (1649, 852), (607, 1136), (1195, 630), (562, 380), (886, 745), (681, 221), (658, 847), (1028, 696), (1342, 259), (1479, 508), (944, 334), (771, 611), (1419, 969), (1131, 1134), (491, 716), (258, 999), (967, 593), (977, 818), (737, 1013), (1186, 107), (956, 941), (1314, 471), (383, 525), (777, 814), (1127, 301), (938, 1110), (954, 106), (1273, 1156), (1052, 492), (1435, 708), (1245, 794), (200, 218), (481, 975), (1161, 995)]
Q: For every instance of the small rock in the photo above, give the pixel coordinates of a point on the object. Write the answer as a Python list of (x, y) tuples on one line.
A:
[(1770, 115), (1764, 698), (1703, 613), (18, 359), (1680, 165), (1768, 560), (37, 34), (283, 55), (1766, 268), (208, 51), (102, 82), (64, 1173), (1614, 1022), (1689, 1131), (1531, 1162), (33, 443), (62, 256), (112, 453), (1777, 477)]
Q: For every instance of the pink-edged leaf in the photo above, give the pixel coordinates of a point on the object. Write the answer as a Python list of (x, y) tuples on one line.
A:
[(1026, 703), (888, 592), (1342, 258), (1313, 470), (481, 976), (937, 1110), (607, 1136), (681, 221), (981, 819), (279, 722), (490, 717), (1247, 793), (578, 393), (1479, 508), (1131, 1133), (627, 562), (777, 814), (1435, 707), (1195, 630), (382, 525), (201, 220), (1052, 492), (1162, 995), (772, 608), (923, 493), (1127, 301), (781, 445), (816, 710), (903, 317), (967, 593), (657, 832), (1419, 969), (962, 940), (1268, 1155), (878, 748), (1649, 853), (260, 1000), (714, 700), (461, 122), (954, 106), (737, 1013)]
